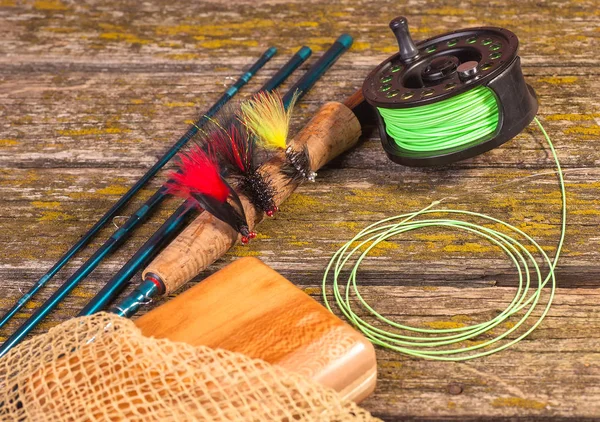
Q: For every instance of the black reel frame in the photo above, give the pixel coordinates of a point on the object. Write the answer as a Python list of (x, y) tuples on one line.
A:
[(443, 67)]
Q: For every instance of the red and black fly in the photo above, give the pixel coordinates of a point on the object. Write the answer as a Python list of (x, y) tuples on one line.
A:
[(198, 176)]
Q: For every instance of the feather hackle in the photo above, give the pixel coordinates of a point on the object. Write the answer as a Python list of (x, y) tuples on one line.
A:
[(266, 117)]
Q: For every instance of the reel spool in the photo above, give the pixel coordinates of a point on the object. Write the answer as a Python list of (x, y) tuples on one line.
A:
[(429, 81)]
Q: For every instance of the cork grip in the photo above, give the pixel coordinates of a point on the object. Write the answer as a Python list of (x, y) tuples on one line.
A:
[(333, 130)]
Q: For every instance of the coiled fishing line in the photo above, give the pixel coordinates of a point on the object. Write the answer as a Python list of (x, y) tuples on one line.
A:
[(453, 123), (447, 344)]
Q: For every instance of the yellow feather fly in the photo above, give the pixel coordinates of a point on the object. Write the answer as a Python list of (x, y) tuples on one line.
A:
[(266, 117)]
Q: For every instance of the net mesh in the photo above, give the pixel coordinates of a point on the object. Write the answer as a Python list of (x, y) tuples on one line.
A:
[(101, 368)]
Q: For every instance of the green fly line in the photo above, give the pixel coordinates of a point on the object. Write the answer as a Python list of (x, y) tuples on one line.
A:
[(431, 128), (456, 122)]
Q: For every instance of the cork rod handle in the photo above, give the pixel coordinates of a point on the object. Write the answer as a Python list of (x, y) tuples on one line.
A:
[(333, 130)]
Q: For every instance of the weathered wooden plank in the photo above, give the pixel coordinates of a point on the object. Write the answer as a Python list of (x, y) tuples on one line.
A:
[(177, 31), (83, 126), (534, 205), (552, 373)]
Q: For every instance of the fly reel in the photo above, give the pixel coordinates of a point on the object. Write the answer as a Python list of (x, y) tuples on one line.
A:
[(450, 97)]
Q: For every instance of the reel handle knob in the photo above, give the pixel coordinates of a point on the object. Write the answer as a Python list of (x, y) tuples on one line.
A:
[(408, 50), (467, 70)]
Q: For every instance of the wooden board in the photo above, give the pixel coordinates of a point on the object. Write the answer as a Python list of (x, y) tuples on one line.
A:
[(91, 92), (251, 309)]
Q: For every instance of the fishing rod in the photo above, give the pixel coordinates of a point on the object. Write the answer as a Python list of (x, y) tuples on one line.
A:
[(152, 285), (87, 237), (137, 218), (177, 220)]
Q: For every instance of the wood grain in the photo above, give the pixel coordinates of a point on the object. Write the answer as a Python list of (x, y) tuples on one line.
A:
[(249, 308), (92, 92)]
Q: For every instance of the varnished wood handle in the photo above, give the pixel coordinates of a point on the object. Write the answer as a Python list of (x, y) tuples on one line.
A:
[(333, 130)]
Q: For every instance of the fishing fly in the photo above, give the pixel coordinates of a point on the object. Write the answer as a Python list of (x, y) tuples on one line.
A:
[(198, 176), (241, 157), (267, 117)]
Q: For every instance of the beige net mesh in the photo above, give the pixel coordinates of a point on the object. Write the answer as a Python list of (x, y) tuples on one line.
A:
[(102, 368)]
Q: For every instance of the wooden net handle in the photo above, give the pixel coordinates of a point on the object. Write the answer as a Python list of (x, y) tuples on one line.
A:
[(333, 130)]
